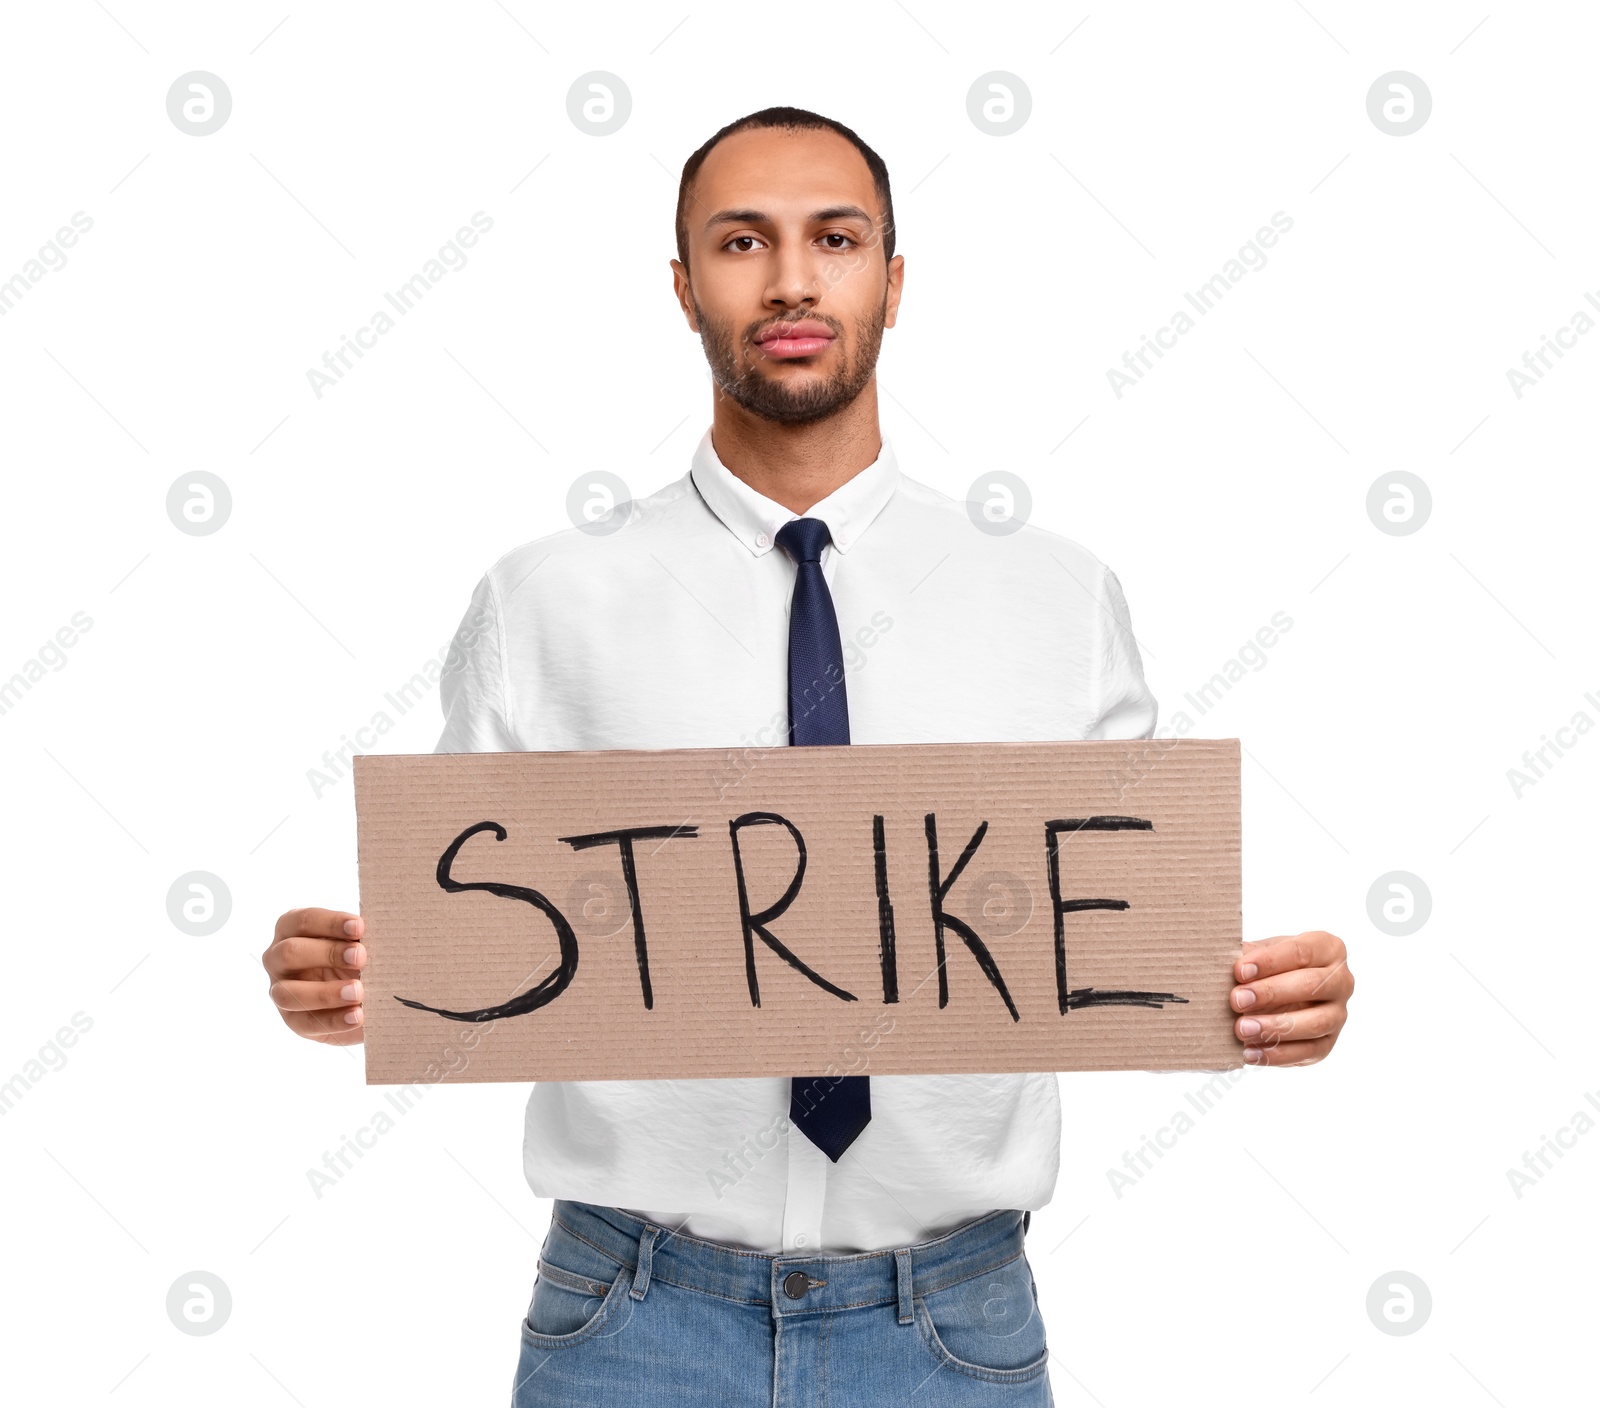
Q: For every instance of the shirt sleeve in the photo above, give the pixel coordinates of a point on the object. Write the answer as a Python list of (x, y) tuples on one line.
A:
[(1125, 706), (472, 687)]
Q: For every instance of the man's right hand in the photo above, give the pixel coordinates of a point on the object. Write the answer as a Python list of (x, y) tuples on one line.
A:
[(315, 962)]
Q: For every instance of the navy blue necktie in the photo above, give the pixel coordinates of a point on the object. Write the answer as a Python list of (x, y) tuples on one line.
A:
[(829, 1111)]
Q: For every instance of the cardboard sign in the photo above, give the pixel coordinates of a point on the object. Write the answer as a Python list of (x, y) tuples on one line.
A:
[(800, 911)]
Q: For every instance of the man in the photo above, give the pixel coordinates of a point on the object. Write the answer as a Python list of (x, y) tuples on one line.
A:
[(865, 1246)]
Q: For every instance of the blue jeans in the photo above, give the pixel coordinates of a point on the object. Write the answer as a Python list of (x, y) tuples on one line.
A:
[(625, 1313)]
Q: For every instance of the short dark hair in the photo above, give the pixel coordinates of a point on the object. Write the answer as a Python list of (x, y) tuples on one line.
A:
[(790, 120)]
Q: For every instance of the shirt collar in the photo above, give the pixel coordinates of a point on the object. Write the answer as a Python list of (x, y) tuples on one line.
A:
[(755, 519)]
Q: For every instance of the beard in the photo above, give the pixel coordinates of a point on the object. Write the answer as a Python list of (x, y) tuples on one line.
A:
[(775, 400)]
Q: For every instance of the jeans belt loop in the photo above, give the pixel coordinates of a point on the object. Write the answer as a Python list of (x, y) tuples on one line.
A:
[(641, 1275), (902, 1266)]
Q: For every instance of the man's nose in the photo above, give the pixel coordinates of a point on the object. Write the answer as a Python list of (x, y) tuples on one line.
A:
[(794, 283)]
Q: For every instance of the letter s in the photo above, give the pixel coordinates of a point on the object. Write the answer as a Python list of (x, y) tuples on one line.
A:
[(547, 989)]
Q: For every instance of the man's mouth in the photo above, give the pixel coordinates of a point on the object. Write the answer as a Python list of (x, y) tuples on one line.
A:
[(805, 338)]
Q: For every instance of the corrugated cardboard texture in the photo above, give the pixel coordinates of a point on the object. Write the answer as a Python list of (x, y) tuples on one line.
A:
[(474, 950)]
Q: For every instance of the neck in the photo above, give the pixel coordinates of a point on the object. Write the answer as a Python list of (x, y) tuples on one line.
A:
[(797, 465)]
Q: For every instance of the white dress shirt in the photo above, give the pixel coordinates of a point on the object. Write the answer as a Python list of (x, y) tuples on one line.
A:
[(672, 632)]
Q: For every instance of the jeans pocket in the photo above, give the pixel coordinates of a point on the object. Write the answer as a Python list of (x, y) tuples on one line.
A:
[(568, 1309), (987, 1327)]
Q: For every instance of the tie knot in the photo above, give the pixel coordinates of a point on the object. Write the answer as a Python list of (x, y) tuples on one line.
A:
[(804, 539)]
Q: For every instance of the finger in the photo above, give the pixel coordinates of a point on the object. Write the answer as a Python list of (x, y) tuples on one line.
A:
[(292, 957), (295, 995), (327, 1023), (345, 1036), (1291, 1053), (1302, 985), (1304, 1024), (1264, 958), (319, 924)]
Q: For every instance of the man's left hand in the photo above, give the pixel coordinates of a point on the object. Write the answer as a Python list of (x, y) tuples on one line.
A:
[(1293, 994)]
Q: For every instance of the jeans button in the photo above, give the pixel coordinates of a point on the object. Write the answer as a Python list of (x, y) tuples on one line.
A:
[(796, 1284)]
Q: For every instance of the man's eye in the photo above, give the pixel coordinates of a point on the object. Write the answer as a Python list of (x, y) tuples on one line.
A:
[(838, 241), (743, 243)]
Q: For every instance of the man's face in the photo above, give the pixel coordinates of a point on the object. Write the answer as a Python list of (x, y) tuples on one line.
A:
[(787, 285)]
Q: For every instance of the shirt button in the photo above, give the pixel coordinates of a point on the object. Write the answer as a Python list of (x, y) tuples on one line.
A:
[(800, 1239), (796, 1284), (763, 541)]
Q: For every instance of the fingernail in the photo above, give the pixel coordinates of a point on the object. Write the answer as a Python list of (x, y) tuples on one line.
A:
[(1245, 998), (350, 992), (353, 1016), (1249, 1027), (352, 927), (1247, 971), (1252, 1055), (353, 956)]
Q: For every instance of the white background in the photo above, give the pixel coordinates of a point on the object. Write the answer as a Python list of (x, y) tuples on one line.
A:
[(1229, 484)]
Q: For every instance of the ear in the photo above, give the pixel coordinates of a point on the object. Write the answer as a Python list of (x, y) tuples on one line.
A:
[(680, 288), (891, 302)]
